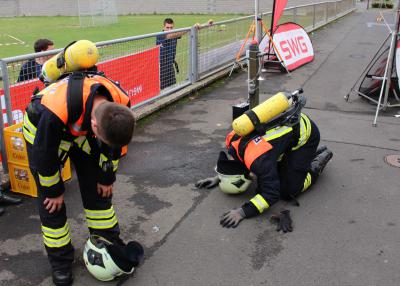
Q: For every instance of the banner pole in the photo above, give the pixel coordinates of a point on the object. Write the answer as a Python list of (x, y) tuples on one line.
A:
[(257, 21), (272, 28)]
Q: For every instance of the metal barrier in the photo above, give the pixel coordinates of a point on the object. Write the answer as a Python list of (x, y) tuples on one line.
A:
[(149, 67)]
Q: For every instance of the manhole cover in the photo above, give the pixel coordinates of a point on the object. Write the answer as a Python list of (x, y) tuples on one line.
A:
[(393, 160)]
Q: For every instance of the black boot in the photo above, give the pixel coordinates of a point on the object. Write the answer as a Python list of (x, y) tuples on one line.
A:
[(62, 277), (320, 149), (320, 161), (1, 211), (8, 200)]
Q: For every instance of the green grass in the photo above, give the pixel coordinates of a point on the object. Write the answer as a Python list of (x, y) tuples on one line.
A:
[(63, 30)]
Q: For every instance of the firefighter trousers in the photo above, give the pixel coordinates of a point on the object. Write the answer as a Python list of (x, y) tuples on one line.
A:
[(294, 169), (100, 215)]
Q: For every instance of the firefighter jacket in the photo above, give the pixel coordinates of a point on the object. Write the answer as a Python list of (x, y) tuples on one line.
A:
[(261, 155), (49, 132)]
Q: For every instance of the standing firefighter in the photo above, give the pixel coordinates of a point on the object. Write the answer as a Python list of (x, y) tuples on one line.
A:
[(284, 157), (86, 117)]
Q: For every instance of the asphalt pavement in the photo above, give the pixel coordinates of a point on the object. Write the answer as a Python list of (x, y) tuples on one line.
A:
[(346, 230)]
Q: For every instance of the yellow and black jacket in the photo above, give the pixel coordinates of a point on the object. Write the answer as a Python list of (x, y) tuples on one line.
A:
[(262, 154), (58, 118)]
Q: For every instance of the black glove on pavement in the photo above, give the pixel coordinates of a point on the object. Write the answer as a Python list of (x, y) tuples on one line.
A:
[(232, 218), (208, 183), (284, 221)]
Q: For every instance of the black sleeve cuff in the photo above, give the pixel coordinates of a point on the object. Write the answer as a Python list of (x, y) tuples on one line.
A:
[(106, 179), (54, 191), (250, 210)]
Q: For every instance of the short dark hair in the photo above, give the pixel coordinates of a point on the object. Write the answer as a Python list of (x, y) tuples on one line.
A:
[(168, 21), (116, 123), (42, 45)]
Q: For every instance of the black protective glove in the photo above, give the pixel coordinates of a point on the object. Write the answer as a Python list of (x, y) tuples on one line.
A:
[(208, 183), (232, 218), (283, 221)]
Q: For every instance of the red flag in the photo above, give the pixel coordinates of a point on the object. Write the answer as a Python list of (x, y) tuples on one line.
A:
[(279, 6)]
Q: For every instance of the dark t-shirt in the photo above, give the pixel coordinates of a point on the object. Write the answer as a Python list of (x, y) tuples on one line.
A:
[(29, 70), (167, 49)]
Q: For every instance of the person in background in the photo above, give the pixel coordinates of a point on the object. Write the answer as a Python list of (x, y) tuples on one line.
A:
[(32, 68), (168, 43)]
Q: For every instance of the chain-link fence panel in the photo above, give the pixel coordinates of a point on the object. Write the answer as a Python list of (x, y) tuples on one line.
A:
[(222, 43)]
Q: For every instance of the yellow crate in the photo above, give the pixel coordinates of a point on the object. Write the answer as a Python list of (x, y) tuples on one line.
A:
[(23, 182), (15, 144)]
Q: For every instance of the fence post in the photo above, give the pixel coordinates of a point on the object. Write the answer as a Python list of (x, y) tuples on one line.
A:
[(327, 13), (335, 9), (194, 67), (253, 73), (6, 88), (313, 22)]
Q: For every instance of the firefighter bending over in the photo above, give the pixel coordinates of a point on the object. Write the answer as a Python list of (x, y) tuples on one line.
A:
[(86, 117)]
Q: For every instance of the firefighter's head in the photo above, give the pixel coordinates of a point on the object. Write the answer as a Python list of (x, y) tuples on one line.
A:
[(113, 123), (233, 175)]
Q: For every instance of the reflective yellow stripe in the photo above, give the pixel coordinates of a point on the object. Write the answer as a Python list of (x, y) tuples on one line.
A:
[(50, 180), (28, 124), (28, 136), (65, 145), (260, 203), (115, 164), (28, 130), (57, 232), (56, 237), (53, 243), (97, 214), (307, 182), (80, 140), (277, 132), (86, 147), (102, 224), (103, 159), (305, 131)]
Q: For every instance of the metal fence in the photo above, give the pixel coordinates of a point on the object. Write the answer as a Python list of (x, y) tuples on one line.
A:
[(199, 53)]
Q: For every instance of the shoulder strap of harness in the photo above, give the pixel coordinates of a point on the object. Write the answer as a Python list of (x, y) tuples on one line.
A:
[(75, 96)]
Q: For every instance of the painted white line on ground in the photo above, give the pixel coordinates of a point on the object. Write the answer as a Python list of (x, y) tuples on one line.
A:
[(371, 24), (18, 40)]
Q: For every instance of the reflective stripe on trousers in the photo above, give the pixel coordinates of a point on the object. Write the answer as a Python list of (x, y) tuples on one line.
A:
[(101, 219), (56, 238)]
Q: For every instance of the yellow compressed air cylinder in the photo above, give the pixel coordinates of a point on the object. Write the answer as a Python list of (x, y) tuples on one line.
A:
[(265, 111), (82, 54)]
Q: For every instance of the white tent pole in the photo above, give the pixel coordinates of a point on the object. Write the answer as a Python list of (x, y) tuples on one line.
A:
[(385, 76)]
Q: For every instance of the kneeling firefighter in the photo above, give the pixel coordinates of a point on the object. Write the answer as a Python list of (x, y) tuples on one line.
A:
[(85, 116), (282, 153)]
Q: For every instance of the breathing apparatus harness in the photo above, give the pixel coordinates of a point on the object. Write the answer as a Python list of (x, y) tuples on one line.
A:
[(291, 117), (75, 105)]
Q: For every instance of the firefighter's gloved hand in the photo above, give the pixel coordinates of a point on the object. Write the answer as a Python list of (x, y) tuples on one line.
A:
[(232, 218), (208, 183), (283, 221)]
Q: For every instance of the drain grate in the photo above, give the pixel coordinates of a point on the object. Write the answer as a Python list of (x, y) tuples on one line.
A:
[(393, 160)]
